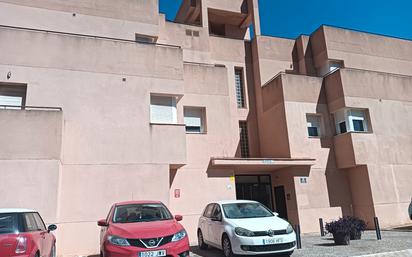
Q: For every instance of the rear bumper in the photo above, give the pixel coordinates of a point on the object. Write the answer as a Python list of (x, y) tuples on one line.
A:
[(174, 249)]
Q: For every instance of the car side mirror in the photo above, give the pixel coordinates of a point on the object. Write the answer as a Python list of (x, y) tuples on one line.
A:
[(276, 214), (179, 217), (51, 227), (102, 223)]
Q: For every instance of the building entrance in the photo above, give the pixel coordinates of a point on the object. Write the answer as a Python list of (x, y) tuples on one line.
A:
[(256, 188)]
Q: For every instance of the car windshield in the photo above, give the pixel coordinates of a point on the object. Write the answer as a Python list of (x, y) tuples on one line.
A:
[(140, 213), (8, 223), (246, 210)]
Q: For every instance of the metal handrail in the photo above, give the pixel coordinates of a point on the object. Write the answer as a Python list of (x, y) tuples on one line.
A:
[(25, 107)]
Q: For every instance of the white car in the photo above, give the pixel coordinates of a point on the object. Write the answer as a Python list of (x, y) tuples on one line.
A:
[(241, 227)]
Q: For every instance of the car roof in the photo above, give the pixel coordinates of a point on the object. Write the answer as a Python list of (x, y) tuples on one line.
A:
[(234, 201), (137, 202), (15, 210)]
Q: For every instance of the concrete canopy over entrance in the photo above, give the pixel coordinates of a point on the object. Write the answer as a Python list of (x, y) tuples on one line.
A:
[(260, 164)]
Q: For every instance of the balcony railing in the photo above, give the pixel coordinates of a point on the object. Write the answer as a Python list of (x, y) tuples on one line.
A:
[(29, 108)]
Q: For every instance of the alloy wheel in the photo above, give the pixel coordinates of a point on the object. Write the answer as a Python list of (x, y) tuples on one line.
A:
[(227, 248)]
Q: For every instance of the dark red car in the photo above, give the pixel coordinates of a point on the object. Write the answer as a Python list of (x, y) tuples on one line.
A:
[(23, 234), (142, 229)]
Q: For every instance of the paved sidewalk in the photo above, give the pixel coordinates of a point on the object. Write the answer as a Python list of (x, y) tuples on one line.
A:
[(393, 244), (406, 253)]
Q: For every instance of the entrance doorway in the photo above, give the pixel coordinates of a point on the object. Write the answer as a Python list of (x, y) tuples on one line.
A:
[(256, 188), (280, 202)]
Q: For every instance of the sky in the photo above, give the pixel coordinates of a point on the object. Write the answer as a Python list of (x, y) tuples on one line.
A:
[(291, 18)]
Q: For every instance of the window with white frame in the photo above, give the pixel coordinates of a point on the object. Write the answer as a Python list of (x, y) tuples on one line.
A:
[(351, 120), (314, 125), (163, 109), (195, 119)]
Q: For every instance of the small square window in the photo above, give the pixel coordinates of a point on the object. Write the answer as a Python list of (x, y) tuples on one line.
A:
[(342, 127), (313, 131), (358, 125), (314, 125), (195, 119), (163, 109)]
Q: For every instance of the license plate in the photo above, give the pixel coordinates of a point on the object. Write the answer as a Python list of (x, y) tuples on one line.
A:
[(272, 241), (159, 253)]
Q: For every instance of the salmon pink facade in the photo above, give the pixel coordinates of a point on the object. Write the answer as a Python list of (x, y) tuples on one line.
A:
[(106, 101)]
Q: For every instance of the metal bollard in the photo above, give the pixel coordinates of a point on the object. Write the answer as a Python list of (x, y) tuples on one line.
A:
[(298, 238), (322, 228), (377, 228)]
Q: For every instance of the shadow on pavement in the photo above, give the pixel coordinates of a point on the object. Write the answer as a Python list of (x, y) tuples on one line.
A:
[(213, 252)]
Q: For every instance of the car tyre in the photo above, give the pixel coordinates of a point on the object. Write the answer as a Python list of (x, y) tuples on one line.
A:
[(201, 240), (227, 246), (53, 251)]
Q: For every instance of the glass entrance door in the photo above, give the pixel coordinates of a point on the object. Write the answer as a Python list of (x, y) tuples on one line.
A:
[(256, 188)]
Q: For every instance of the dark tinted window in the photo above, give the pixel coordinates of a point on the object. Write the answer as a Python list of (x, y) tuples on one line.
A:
[(313, 131), (208, 211), (342, 127), (358, 125), (140, 213), (39, 222), (30, 222), (8, 223)]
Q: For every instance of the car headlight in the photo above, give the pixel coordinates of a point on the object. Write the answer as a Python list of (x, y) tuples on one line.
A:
[(243, 232), (289, 229), (179, 235), (116, 240)]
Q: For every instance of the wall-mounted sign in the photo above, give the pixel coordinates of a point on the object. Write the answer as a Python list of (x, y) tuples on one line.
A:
[(303, 180), (177, 193)]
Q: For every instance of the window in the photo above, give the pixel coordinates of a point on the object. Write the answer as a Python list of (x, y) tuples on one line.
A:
[(39, 222), (357, 120), (240, 90), (12, 96), (351, 120), (163, 109), (30, 221), (217, 213), (244, 139), (208, 211), (314, 125), (195, 119), (330, 66)]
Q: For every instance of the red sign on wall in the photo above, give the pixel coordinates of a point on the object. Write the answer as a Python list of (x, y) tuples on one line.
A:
[(177, 193)]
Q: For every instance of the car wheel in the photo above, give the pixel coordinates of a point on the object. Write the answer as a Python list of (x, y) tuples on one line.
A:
[(201, 241), (227, 247), (53, 251)]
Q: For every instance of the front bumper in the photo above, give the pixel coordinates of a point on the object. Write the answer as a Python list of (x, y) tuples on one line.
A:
[(255, 245), (173, 249)]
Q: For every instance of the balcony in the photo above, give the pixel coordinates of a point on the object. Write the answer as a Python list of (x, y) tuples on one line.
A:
[(353, 149), (168, 143), (30, 133)]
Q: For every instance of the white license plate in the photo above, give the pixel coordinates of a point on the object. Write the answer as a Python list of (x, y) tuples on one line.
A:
[(272, 241), (159, 253)]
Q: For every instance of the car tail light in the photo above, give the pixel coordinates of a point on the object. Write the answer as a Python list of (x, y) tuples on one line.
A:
[(21, 244)]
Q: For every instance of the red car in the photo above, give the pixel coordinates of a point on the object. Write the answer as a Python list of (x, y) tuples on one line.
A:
[(23, 234), (142, 229)]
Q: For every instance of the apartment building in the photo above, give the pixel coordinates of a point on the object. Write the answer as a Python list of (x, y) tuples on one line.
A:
[(106, 101)]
